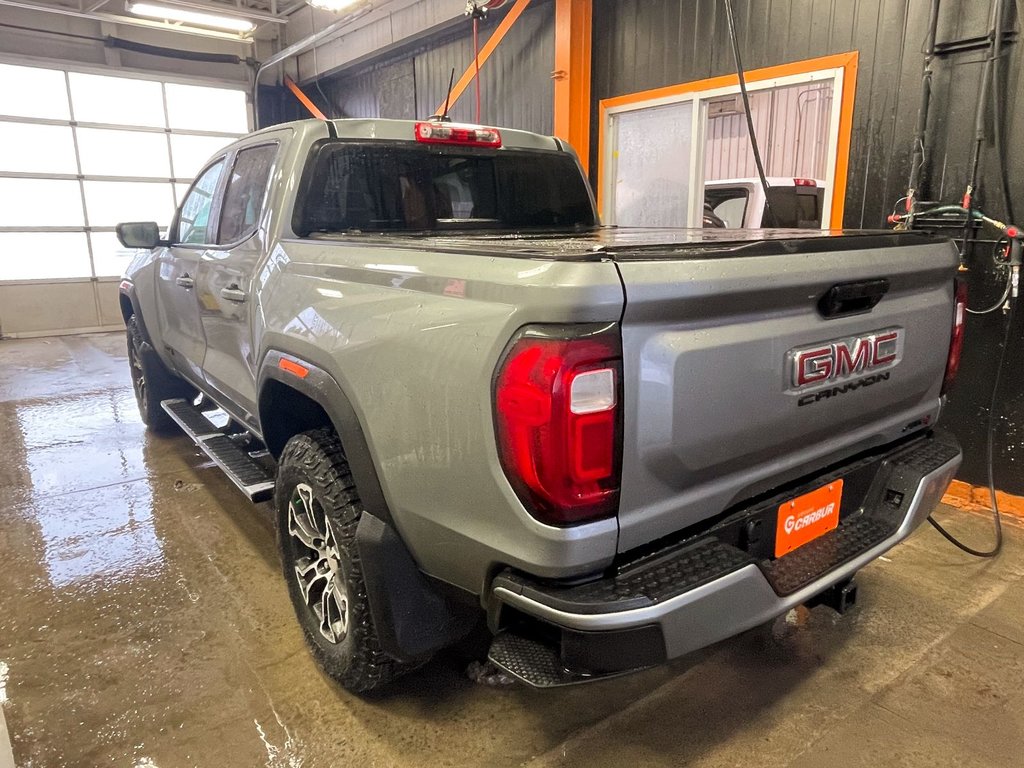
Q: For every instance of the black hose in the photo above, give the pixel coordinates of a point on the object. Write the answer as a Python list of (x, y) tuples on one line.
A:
[(172, 53), (999, 303), (997, 547), (979, 132), (997, 111), (917, 159), (72, 35), (746, 110), (982, 103)]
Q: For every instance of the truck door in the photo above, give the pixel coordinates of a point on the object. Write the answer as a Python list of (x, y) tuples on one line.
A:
[(225, 279), (190, 237)]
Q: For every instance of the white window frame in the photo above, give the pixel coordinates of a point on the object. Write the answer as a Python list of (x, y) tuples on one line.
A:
[(699, 100)]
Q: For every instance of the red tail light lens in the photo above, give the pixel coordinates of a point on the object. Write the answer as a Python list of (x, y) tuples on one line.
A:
[(956, 339), (558, 406), (805, 183)]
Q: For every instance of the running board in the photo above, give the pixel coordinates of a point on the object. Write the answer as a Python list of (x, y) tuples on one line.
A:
[(251, 478)]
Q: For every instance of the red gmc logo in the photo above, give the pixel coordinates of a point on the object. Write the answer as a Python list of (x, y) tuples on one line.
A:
[(842, 359)]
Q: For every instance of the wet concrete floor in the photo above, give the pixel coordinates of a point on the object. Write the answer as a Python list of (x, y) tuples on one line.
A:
[(144, 622)]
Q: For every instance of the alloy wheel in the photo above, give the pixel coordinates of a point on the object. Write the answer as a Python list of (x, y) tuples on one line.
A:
[(318, 564)]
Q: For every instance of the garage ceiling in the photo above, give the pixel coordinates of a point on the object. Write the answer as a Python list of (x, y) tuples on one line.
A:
[(264, 15)]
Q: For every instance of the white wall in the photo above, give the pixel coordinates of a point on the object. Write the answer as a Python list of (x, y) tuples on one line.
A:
[(52, 309), (792, 125)]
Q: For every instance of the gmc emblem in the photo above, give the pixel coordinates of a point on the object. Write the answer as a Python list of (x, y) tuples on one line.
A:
[(843, 359)]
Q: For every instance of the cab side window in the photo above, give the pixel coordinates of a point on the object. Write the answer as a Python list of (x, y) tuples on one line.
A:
[(244, 196), (194, 220)]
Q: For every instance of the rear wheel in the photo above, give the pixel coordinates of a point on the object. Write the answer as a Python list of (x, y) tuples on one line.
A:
[(318, 510), (152, 381)]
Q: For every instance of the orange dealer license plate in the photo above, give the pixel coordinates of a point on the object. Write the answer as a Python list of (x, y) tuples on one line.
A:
[(807, 517)]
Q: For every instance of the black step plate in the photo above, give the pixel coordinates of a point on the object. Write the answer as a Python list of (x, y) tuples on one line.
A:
[(247, 474), (538, 664)]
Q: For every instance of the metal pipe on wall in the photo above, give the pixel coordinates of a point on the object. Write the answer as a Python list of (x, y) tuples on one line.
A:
[(979, 128), (295, 49), (920, 133), (983, 96), (998, 113)]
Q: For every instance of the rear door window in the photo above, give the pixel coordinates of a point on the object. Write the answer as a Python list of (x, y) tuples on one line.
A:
[(243, 198)]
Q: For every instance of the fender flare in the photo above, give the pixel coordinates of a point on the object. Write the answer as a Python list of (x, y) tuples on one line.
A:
[(414, 613), (324, 390), (127, 289)]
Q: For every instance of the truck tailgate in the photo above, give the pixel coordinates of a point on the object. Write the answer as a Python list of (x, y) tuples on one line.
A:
[(713, 414)]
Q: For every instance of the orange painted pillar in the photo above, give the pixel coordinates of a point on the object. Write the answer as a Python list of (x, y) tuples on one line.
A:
[(573, 24)]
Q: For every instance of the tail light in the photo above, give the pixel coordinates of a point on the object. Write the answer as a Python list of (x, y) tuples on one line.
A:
[(804, 183), (558, 415), (956, 339), (454, 133)]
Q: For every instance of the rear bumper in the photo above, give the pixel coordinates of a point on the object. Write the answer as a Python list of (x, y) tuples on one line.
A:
[(698, 592)]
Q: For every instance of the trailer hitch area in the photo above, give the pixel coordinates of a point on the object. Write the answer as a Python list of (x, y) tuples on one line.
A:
[(840, 597)]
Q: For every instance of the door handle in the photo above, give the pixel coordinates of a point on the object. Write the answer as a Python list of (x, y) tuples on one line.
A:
[(233, 293), (853, 298), (185, 281)]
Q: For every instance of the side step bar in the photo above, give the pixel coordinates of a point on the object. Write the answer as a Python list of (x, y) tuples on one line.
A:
[(250, 476)]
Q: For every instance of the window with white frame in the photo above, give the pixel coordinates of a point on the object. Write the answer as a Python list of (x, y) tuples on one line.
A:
[(663, 156), (80, 152)]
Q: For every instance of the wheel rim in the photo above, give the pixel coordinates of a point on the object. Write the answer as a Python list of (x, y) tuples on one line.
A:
[(138, 374), (318, 564)]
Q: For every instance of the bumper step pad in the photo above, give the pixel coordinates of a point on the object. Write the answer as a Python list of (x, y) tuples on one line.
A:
[(648, 582), (802, 566), (251, 477), (538, 664)]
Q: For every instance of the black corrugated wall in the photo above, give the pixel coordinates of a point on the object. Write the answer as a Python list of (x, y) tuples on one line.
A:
[(516, 86), (642, 44)]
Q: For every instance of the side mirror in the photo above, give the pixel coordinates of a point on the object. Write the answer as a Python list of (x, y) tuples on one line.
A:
[(139, 234)]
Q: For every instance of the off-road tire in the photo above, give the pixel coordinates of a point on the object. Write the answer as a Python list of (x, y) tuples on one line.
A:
[(315, 462), (152, 381)]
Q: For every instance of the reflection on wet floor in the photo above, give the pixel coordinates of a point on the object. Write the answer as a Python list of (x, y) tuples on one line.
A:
[(144, 621), (115, 541)]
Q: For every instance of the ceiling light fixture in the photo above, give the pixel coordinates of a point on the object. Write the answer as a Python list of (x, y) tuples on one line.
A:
[(169, 13), (331, 5)]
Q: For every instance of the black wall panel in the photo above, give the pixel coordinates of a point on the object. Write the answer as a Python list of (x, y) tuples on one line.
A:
[(516, 86), (642, 44)]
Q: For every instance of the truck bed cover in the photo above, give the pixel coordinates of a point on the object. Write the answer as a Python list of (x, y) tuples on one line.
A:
[(640, 244)]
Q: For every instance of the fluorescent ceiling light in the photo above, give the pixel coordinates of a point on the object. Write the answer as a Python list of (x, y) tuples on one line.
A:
[(331, 5), (170, 13)]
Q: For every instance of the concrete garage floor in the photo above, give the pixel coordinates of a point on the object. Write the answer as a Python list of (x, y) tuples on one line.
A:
[(144, 622)]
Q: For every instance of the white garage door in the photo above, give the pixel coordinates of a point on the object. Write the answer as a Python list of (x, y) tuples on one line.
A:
[(81, 151)]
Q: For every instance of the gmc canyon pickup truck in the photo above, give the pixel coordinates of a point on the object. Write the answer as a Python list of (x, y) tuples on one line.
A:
[(466, 398)]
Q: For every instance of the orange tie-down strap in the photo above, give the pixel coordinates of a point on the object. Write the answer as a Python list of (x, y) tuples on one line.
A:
[(306, 101)]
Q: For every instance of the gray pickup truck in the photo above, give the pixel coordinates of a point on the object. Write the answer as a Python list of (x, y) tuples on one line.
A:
[(466, 398)]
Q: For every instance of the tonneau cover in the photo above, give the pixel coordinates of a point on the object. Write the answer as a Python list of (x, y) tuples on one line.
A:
[(640, 244)]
